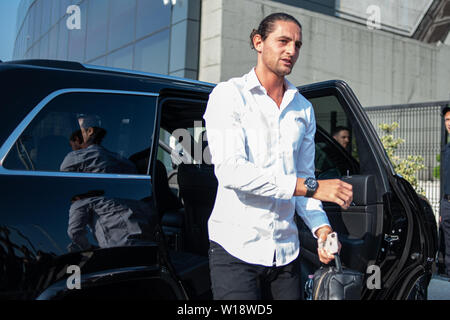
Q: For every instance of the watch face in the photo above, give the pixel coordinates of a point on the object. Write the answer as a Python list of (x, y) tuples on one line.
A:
[(311, 183)]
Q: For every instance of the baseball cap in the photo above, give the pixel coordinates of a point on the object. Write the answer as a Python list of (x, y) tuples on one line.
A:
[(89, 121)]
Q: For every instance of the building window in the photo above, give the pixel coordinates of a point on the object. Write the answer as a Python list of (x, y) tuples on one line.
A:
[(97, 28), (121, 23), (152, 54), (122, 58), (63, 40), (151, 17)]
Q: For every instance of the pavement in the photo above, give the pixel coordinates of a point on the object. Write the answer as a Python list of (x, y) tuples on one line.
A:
[(439, 288)]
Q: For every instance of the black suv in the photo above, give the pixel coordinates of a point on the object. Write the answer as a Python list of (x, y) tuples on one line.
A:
[(137, 227)]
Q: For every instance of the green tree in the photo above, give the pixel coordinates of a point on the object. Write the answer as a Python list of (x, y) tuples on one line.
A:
[(408, 167), (437, 169)]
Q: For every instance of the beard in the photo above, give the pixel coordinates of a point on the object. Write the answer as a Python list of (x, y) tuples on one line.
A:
[(282, 70)]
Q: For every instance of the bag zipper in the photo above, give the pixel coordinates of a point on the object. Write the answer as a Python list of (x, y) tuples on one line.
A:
[(320, 282)]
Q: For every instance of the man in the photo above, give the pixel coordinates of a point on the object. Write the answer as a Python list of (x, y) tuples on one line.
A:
[(114, 222), (92, 157), (445, 203), (76, 140), (261, 138), (342, 135)]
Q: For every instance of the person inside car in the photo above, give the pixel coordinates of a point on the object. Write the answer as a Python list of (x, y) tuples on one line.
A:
[(261, 138), (342, 135), (92, 156), (76, 140)]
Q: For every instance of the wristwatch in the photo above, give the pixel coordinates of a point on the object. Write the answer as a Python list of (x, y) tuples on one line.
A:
[(311, 186)]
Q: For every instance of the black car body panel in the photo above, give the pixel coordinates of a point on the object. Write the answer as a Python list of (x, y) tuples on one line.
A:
[(36, 203)]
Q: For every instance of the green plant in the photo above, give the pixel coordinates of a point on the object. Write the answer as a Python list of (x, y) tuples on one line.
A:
[(408, 167), (437, 169)]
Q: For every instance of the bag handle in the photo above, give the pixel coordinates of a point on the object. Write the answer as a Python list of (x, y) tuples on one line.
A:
[(338, 262)]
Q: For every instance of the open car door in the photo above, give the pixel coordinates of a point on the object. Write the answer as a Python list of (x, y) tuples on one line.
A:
[(377, 229)]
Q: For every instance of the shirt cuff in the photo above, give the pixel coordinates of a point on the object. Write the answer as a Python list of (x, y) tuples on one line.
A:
[(286, 186), (313, 230)]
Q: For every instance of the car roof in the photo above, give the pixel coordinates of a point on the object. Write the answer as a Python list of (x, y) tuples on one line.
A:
[(25, 83), (76, 66)]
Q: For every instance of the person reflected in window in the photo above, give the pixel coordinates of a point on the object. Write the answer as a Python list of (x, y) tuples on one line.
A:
[(342, 136), (76, 140), (92, 156), (113, 221)]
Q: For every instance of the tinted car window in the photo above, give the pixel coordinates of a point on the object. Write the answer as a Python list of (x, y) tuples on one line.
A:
[(331, 162), (336, 148), (54, 140)]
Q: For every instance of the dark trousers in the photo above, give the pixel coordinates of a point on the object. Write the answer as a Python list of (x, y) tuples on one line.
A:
[(234, 279), (445, 225)]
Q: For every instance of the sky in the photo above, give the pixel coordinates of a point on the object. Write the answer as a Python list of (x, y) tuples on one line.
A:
[(8, 16)]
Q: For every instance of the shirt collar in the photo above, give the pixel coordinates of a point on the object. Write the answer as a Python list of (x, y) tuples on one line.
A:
[(252, 82)]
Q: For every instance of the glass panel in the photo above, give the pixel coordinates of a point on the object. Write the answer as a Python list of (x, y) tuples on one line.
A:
[(121, 23), (151, 17), (329, 113), (64, 4), (88, 132), (77, 38), (122, 58), (185, 73), (56, 14), (53, 48), (180, 11), (178, 46), (46, 12), (98, 62), (63, 40), (335, 141), (36, 51), (44, 47), (152, 54), (26, 39), (37, 12), (30, 19), (96, 33)]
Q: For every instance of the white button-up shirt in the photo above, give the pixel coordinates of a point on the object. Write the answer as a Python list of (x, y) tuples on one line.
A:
[(258, 151)]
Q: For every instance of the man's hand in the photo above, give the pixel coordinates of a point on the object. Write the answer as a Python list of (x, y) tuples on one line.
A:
[(335, 190), (321, 235)]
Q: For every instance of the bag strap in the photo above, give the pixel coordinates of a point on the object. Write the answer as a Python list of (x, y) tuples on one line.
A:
[(338, 262)]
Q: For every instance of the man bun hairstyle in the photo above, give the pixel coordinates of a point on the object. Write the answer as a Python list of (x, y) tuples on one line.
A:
[(267, 25)]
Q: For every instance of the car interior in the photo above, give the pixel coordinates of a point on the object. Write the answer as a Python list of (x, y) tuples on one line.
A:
[(185, 188)]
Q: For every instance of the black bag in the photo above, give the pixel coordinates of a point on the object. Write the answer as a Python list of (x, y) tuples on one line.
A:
[(337, 283)]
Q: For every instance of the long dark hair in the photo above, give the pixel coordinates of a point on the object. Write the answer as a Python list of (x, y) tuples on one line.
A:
[(267, 24), (97, 136)]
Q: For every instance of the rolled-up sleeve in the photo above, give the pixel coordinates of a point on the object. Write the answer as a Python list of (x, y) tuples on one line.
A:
[(309, 209), (227, 144)]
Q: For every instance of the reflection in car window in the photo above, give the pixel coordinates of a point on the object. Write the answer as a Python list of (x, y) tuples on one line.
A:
[(112, 221), (87, 132)]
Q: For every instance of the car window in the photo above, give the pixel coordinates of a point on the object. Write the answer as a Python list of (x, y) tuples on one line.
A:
[(336, 148), (168, 154), (186, 144), (88, 132)]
